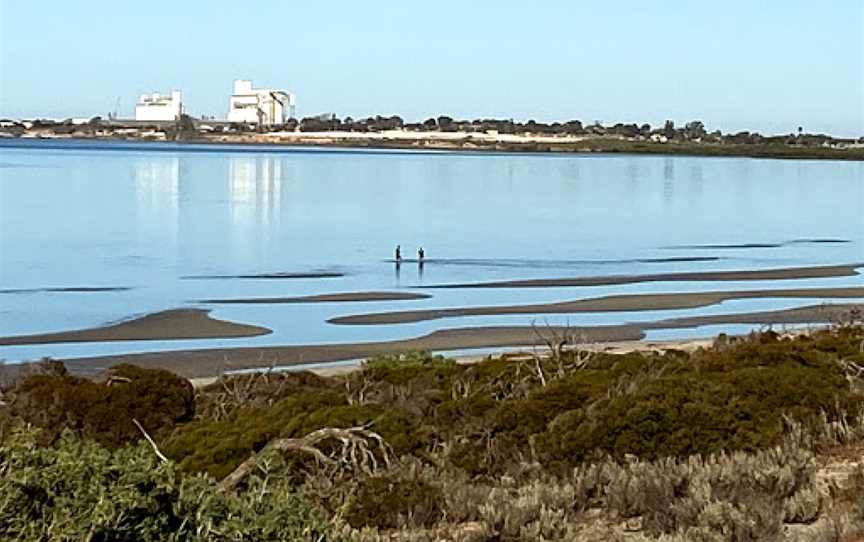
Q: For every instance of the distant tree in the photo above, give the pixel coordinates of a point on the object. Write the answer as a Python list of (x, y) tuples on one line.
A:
[(445, 123), (430, 124), (694, 130), (574, 127), (669, 129)]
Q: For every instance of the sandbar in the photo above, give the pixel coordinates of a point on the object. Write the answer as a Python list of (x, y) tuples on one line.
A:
[(164, 325), (787, 273), (66, 289), (342, 297), (215, 361), (279, 275), (612, 303)]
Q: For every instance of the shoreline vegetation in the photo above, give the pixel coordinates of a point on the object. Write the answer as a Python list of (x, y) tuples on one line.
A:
[(744, 438), (446, 134)]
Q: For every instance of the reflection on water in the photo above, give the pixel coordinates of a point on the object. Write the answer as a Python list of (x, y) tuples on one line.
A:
[(254, 203), (255, 185), (157, 189)]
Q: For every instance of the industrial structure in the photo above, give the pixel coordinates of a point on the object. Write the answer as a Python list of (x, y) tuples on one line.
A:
[(259, 106), (155, 107)]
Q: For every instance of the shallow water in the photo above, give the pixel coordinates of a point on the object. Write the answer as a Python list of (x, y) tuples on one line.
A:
[(84, 214)]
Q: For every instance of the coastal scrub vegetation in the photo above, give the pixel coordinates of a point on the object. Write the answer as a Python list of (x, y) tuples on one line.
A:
[(757, 438)]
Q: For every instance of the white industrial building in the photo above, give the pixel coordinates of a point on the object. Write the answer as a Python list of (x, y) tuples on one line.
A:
[(157, 107), (262, 106)]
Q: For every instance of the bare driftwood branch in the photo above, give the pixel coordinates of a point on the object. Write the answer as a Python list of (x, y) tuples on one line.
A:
[(159, 454), (358, 451)]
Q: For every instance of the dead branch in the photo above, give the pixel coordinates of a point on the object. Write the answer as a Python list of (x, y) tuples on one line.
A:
[(159, 454), (358, 452)]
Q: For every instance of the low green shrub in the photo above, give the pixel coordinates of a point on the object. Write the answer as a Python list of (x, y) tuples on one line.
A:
[(79, 490)]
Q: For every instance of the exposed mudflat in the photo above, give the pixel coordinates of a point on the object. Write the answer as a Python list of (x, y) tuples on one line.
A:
[(612, 303), (346, 297), (271, 276), (66, 289), (214, 361), (789, 273), (163, 325)]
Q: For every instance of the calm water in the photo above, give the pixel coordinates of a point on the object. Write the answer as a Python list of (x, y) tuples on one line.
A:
[(144, 215)]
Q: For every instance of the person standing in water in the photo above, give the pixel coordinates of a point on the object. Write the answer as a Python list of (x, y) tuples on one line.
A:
[(398, 254), (420, 255)]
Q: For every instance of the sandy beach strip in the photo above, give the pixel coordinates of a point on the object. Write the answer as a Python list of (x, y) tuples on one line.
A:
[(612, 303), (214, 361), (788, 273), (345, 297), (164, 325)]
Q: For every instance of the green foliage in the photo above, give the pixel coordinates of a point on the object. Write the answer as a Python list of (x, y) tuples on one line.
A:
[(404, 368), (79, 490)]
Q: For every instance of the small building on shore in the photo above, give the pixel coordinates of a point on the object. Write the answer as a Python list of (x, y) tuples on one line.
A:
[(155, 107), (259, 106)]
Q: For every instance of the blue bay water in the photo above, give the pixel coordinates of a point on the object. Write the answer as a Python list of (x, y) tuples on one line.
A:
[(145, 215)]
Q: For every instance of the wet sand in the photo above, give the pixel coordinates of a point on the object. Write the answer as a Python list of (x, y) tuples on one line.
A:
[(214, 361), (313, 275), (321, 298), (612, 303), (789, 273), (733, 246), (164, 325), (66, 289)]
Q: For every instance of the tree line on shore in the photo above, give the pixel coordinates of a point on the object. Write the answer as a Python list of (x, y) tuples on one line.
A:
[(694, 131)]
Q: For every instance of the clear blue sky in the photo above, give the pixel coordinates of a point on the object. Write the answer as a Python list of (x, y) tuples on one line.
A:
[(739, 64)]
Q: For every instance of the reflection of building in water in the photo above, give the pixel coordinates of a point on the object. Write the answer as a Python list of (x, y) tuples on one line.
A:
[(157, 185), (668, 179), (255, 184)]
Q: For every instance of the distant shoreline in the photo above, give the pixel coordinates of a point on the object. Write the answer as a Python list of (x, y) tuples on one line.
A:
[(467, 143)]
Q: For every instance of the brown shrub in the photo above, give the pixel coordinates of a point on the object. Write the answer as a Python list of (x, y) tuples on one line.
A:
[(392, 502), (55, 400)]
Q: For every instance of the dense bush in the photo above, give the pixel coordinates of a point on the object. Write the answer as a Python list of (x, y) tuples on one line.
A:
[(54, 400), (392, 502), (488, 418), (79, 490)]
